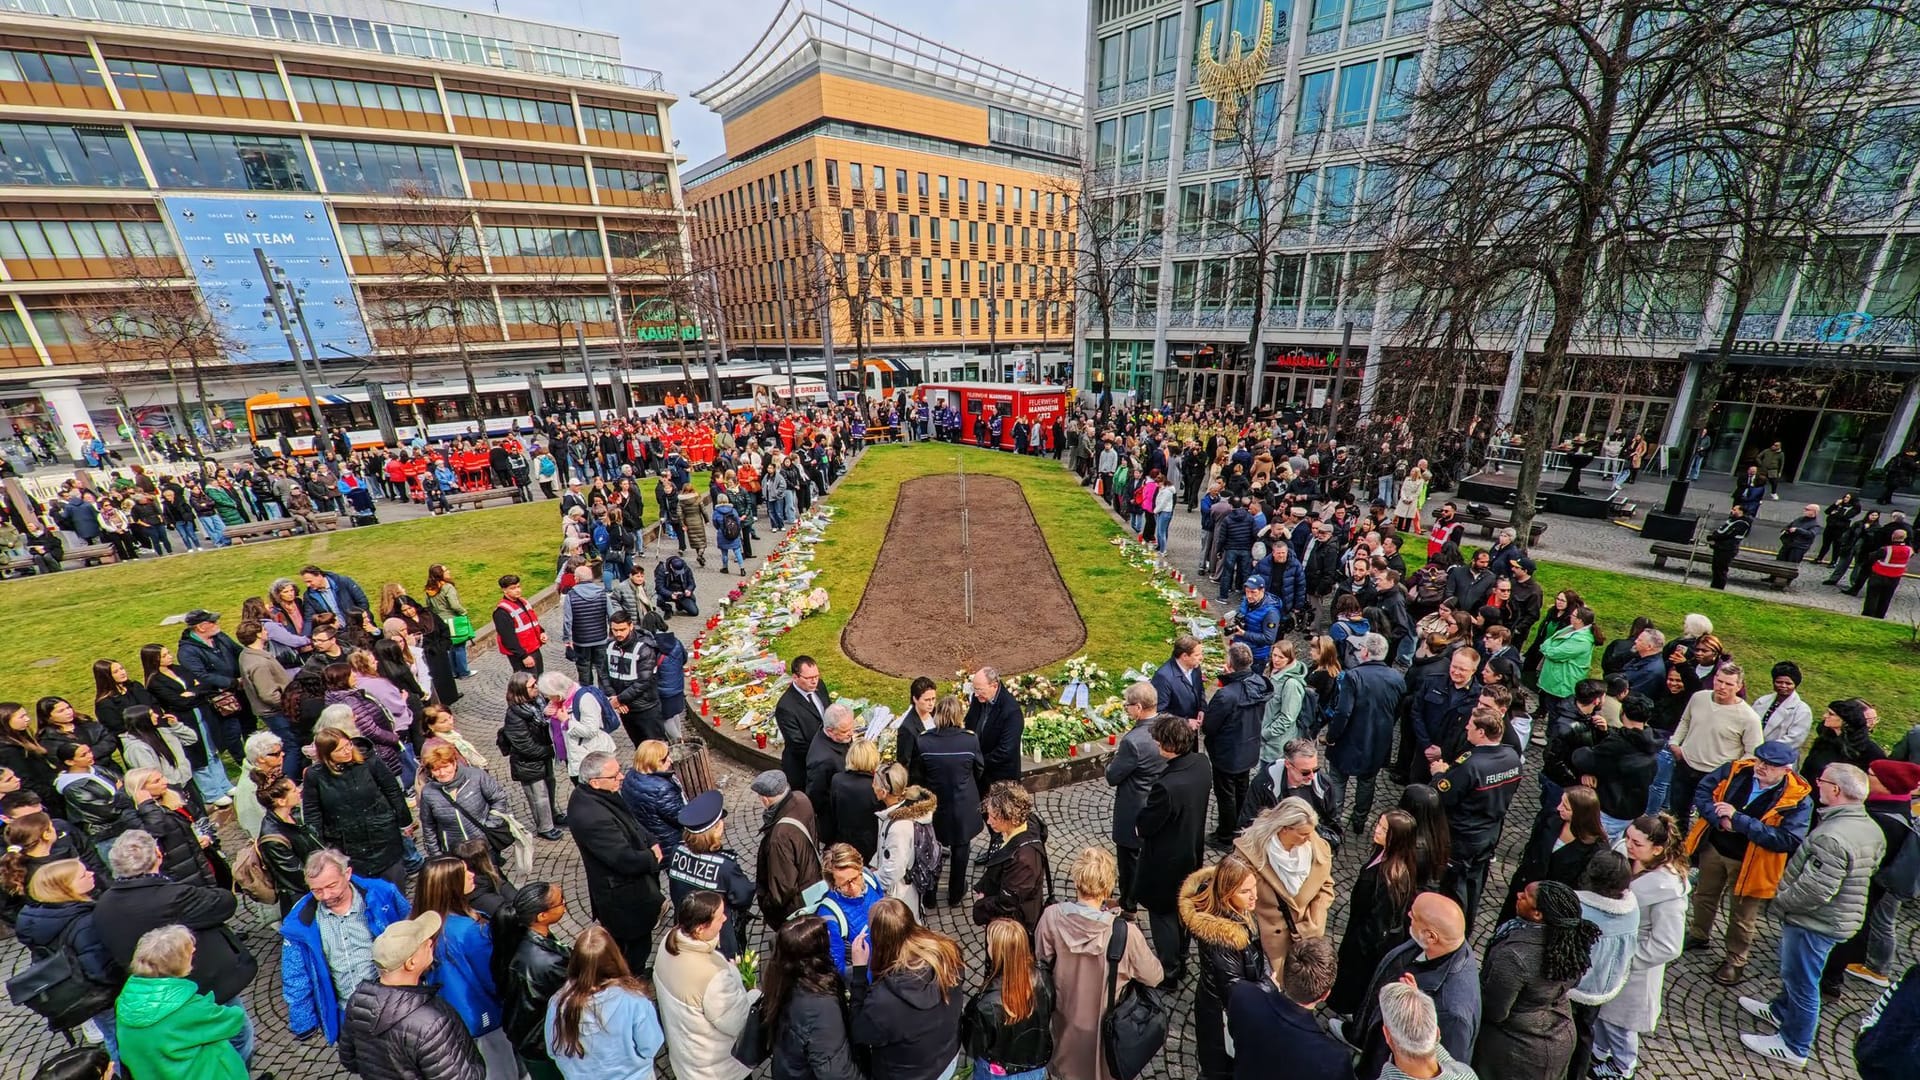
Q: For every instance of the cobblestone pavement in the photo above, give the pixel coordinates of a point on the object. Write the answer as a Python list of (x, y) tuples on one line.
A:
[(1697, 1039)]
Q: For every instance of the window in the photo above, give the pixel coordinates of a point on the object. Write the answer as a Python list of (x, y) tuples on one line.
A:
[(210, 159), (880, 179), (1364, 10), (965, 187), (854, 174), (1397, 87), (1316, 93), (1133, 139), (945, 187), (1326, 15), (999, 194), (1110, 47), (19, 65), (61, 155), (1341, 182), (1323, 282), (640, 179), (1156, 209), (923, 185), (513, 109), (953, 230), (354, 94), (1139, 52), (1199, 125), (13, 332), (1356, 94), (1166, 51), (1224, 199), (143, 76), (526, 173), (1105, 143), (621, 121), (1303, 187), (543, 243), (973, 232), (913, 226), (371, 168), (1289, 271), (833, 173), (1193, 206), (1206, 18)]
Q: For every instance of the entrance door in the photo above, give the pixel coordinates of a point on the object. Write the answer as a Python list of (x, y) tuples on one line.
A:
[(1791, 428)]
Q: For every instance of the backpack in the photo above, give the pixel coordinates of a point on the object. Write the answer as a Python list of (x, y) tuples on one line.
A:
[(1133, 1029), (609, 719), (1429, 585), (924, 874), (250, 877), (57, 987), (729, 527)]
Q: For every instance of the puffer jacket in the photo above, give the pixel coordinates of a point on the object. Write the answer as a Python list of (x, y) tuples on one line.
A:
[(893, 861), (359, 810), (40, 925), (656, 802), (306, 983), (180, 858), (406, 1033), (1229, 949), (846, 916), (443, 827), (1018, 1046), (529, 743), (97, 804), (1824, 889), (463, 972)]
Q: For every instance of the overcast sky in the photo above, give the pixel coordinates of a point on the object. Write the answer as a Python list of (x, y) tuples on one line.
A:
[(696, 41)]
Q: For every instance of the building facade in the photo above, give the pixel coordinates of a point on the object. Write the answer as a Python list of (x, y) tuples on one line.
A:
[(537, 163), (1827, 369), (920, 198)]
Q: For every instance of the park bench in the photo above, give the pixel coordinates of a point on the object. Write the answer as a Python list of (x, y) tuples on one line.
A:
[(84, 555), (1493, 521), (278, 527), (1778, 574), (482, 497)]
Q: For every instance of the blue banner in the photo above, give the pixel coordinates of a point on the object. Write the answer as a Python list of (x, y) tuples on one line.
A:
[(217, 237)]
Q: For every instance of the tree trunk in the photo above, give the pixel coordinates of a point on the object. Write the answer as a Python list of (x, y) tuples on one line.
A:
[(466, 366), (180, 399), (1553, 370), (200, 394)]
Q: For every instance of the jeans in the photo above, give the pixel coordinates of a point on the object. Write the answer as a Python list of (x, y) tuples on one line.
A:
[(1680, 793), (189, 537), (211, 778), (983, 1070), (1873, 944), (734, 551), (243, 1042), (109, 1030), (1616, 1044), (539, 795), (1234, 567), (1802, 954), (296, 761), (1362, 794), (1162, 521), (458, 656), (1615, 827), (1662, 779)]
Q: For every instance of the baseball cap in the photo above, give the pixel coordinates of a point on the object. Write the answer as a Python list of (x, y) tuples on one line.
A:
[(1256, 581), (199, 615), (1776, 752), (402, 939)]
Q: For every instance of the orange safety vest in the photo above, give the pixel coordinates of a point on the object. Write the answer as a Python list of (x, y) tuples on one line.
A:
[(1893, 561), (1760, 869), (526, 627)]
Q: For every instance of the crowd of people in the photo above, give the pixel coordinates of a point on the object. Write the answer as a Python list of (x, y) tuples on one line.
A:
[(416, 939)]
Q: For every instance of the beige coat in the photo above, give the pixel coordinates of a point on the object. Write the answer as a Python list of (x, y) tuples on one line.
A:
[(1308, 907), (703, 1008), (1073, 939)]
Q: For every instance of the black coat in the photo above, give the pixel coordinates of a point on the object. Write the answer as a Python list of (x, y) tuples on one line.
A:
[(406, 1033), (1232, 725), (1000, 725), (284, 847), (102, 813), (130, 907), (953, 763), (1623, 765), (1014, 879), (1173, 829), (1267, 1028), (1017, 1046), (536, 971), (529, 743), (826, 759), (909, 1032), (359, 810), (623, 877), (811, 1043), (798, 722), (1375, 925), (180, 857), (1541, 861), (854, 807), (112, 708)]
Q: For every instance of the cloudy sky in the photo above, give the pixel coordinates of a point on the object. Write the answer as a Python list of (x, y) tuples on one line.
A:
[(695, 41)]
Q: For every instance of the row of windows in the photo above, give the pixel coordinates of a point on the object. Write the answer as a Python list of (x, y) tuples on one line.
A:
[(371, 168), (517, 109), (637, 179), (1032, 132), (82, 239), (21, 65), (629, 244), (213, 159), (1328, 14), (526, 173), (531, 242), (146, 76), (556, 310), (47, 155), (1130, 139), (888, 268), (1152, 48), (776, 189), (621, 121), (367, 238), (355, 93)]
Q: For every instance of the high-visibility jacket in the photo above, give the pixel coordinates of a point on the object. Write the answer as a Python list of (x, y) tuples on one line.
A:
[(526, 627), (1891, 561)]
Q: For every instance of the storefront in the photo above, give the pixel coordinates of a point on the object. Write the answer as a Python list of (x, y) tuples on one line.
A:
[(1124, 367)]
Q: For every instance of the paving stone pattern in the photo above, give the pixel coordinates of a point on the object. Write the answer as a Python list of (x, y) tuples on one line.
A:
[(1698, 1038)]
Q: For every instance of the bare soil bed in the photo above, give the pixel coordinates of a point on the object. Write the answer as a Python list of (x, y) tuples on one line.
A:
[(911, 620)]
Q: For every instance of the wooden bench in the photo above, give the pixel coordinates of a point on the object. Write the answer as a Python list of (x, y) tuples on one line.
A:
[(1779, 575), (1488, 524), (84, 555), (279, 527), (481, 498)]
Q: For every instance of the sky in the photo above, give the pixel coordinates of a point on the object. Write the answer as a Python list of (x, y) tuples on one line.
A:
[(695, 42)]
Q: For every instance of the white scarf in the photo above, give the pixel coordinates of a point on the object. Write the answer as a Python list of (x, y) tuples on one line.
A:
[(1292, 866)]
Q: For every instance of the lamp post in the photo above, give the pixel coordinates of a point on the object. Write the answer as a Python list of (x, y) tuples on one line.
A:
[(276, 280)]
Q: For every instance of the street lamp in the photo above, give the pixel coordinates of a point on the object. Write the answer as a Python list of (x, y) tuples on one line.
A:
[(281, 290)]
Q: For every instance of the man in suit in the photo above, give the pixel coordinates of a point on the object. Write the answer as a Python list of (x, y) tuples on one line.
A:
[(1272, 1023), (799, 714), (621, 860), (996, 719), (827, 758), (1136, 764), (1172, 827), (1178, 686), (335, 594)]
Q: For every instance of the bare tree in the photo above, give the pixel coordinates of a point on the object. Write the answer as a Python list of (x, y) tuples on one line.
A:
[(1110, 245), (856, 262), (433, 246), (406, 344)]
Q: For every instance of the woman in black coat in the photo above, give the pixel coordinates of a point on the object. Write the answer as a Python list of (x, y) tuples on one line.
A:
[(1377, 917), (954, 765), (1845, 737), (114, 691), (527, 743), (854, 804), (1561, 846), (1216, 907), (354, 803), (181, 856), (60, 722), (529, 967), (285, 841), (803, 1003)]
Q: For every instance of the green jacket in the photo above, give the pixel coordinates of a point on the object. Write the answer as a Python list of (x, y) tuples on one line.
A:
[(227, 504), (1824, 888), (1282, 722), (169, 1030), (1564, 660)]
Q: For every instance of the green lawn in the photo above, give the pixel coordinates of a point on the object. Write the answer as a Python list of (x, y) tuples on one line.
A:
[(1840, 655), (1126, 621), (62, 623)]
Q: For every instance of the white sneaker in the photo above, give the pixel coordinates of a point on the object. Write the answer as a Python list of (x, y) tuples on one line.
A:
[(1775, 496), (1775, 1047), (223, 802), (1761, 1009)]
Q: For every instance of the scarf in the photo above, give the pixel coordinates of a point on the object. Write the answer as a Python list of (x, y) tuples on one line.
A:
[(1291, 866)]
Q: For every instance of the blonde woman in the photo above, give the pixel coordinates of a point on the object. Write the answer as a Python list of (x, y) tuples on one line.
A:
[(60, 905), (903, 809), (1072, 939), (1412, 493), (907, 1015), (854, 807), (1293, 872), (852, 892)]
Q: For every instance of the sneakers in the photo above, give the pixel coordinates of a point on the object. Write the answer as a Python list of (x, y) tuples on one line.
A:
[(1867, 975), (1605, 1070), (1775, 1047), (223, 802), (1760, 1009)]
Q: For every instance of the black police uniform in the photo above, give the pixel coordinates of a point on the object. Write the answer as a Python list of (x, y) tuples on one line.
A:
[(688, 872), (1476, 789), (631, 681)]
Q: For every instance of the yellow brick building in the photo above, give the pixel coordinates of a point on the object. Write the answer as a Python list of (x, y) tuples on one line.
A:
[(924, 197)]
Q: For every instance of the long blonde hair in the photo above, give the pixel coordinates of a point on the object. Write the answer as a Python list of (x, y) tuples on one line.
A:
[(901, 942), (1010, 959)]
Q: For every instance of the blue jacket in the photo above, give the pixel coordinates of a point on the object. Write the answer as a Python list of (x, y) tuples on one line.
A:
[(1360, 719), (1180, 693), (721, 513), (1785, 837), (1440, 711), (305, 980), (1286, 585), (620, 1034), (1259, 628), (847, 916), (1236, 530), (1647, 675), (463, 971), (656, 802), (346, 592), (671, 676)]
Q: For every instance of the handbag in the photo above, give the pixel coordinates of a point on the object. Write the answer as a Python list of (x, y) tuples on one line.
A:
[(1133, 1028), (225, 702), (462, 630), (519, 857), (754, 1045), (56, 987), (500, 837)]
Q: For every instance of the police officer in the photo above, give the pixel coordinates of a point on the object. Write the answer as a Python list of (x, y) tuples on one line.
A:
[(1259, 621), (1726, 541), (631, 664), (702, 861), (1476, 788)]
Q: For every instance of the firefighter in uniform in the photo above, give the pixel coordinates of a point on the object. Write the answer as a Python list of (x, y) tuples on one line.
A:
[(631, 660), (702, 861), (1476, 788), (516, 626)]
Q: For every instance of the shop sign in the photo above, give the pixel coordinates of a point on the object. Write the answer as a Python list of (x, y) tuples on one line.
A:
[(660, 320), (1299, 361), (1811, 350)]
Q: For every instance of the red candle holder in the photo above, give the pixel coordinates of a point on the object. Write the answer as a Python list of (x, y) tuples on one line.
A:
[(705, 709), (1113, 740), (760, 740), (694, 685), (1203, 603), (1073, 751)]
